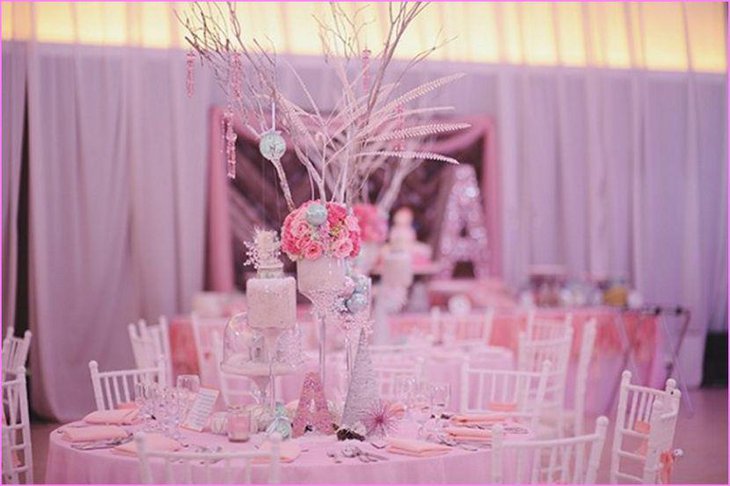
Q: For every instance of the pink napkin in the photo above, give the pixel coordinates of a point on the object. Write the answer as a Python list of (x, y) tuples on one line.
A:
[(502, 406), (289, 452), (478, 418), (416, 448), (126, 405), (154, 442), (466, 433), (397, 408), (114, 417), (93, 433)]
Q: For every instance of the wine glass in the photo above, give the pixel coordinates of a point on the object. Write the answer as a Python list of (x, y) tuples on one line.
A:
[(188, 385), (440, 400), (403, 387), (421, 405)]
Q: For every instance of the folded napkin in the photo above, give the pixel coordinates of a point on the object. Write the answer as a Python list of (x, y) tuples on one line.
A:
[(466, 433), (154, 442), (93, 433), (479, 418), (113, 417), (416, 448), (126, 405), (397, 408), (502, 406), (289, 452)]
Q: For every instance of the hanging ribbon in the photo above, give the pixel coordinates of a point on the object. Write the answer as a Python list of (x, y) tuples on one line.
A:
[(667, 462)]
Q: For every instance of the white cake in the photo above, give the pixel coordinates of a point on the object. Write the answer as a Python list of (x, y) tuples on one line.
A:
[(271, 302), (271, 298)]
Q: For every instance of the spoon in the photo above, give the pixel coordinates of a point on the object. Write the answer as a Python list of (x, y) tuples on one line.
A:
[(334, 457)]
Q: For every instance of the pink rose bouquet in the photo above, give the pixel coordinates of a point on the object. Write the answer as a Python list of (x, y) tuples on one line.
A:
[(314, 230), (373, 225)]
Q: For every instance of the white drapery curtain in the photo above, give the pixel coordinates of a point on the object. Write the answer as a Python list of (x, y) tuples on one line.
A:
[(620, 172), (116, 171)]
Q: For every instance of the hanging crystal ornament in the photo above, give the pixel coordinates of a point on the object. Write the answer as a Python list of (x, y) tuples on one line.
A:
[(230, 137), (190, 79), (235, 79)]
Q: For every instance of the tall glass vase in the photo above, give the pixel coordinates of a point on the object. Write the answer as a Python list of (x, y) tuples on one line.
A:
[(322, 282)]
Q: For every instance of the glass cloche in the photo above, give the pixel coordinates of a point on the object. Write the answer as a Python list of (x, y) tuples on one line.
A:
[(260, 352)]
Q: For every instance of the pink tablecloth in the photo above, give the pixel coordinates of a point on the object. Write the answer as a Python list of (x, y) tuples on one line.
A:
[(67, 465)]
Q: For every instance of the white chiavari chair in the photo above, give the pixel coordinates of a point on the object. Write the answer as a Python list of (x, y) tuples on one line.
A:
[(546, 328), (17, 448), (15, 349), (203, 329), (552, 461), (516, 394), (531, 355), (112, 388), (205, 467), (150, 343), (588, 341), (389, 374), (644, 431)]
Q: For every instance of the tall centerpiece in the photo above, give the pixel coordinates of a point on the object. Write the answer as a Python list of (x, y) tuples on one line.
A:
[(320, 237), (253, 341), (370, 128)]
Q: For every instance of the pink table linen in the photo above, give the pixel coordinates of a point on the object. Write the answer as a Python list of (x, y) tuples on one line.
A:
[(67, 465)]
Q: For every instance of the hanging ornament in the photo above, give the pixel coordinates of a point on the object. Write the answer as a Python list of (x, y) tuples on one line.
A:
[(190, 79), (230, 137)]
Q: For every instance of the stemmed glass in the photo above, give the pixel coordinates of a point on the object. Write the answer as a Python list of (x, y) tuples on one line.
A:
[(188, 386), (440, 394), (420, 405)]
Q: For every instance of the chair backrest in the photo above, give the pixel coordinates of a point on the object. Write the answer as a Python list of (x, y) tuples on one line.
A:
[(114, 387), (149, 343), (549, 461), (581, 375), (203, 329), (388, 374), (506, 391), (531, 355), (475, 328), (205, 467), (545, 328), (645, 418), (17, 448), (15, 349)]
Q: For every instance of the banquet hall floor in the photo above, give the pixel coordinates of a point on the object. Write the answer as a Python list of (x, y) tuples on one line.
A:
[(704, 438)]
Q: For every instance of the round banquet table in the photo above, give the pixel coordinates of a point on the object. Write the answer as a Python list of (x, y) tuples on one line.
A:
[(68, 465)]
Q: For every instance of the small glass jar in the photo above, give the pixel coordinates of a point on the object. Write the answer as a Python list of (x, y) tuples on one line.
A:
[(239, 424)]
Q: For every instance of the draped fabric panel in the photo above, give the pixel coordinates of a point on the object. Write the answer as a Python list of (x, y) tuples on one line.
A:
[(13, 101), (117, 160)]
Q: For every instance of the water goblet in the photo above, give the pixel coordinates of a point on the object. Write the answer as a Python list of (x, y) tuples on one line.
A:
[(188, 385)]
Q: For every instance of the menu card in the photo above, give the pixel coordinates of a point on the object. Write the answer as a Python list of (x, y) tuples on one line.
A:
[(200, 411)]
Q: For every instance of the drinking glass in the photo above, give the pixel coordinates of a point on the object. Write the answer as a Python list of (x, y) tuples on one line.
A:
[(188, 385), (440, 398), (421, 405), (403, 390)]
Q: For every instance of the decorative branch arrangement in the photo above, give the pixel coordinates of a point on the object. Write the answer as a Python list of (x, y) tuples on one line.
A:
[(370, 126)]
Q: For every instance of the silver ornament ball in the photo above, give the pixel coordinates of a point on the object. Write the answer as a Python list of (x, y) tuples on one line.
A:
[(316, 214), (357, 302)]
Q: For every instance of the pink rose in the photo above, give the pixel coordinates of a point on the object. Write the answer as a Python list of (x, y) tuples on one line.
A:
[(300, 228), (343, 247), (335, 213), (313, 250), (352, 222)]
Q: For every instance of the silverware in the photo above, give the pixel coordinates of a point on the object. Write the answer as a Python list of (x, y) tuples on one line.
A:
[(104, 444), (370, 454), (381, 445), (334, 457)]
